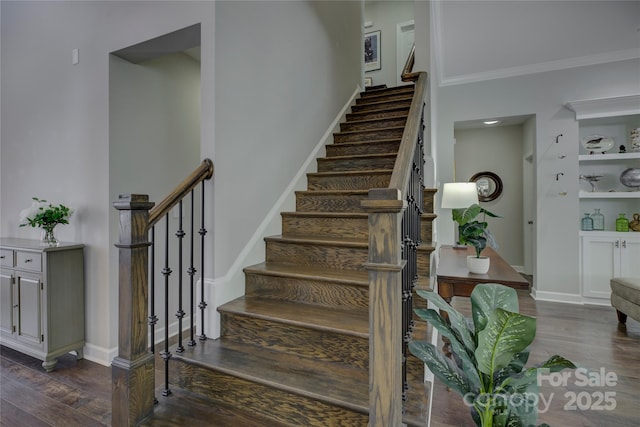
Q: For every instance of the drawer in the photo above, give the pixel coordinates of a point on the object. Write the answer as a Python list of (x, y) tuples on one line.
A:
[(6, 258), (29, 261)]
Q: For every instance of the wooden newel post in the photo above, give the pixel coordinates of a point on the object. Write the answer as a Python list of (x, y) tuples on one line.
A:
[(385, 266), (132, 372)]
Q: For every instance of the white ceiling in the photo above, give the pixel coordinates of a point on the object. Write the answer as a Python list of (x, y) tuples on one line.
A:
[(480, 40)]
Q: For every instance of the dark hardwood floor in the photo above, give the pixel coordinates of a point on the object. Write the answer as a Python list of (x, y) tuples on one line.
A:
[(79, 393)]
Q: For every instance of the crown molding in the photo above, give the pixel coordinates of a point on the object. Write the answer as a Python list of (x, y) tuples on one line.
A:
[(562, 64), (605, 107)]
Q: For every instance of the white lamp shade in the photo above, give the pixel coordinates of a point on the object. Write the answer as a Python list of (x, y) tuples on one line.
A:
[(458, 195)]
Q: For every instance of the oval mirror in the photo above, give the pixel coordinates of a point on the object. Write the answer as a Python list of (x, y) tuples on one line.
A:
[(489, 185)]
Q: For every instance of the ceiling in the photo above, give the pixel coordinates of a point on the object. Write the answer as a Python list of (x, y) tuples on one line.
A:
[(478, 40)]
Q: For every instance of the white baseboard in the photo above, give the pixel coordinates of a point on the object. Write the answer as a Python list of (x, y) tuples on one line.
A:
[(556, 297)]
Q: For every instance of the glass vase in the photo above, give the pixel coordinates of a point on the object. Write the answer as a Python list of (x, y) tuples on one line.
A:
[(598, 220), (587, 223), (622, 223), (48, 237)]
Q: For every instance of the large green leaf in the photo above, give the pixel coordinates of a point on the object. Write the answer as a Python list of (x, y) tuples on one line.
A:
[(505, 335), (486, 297), (441, 366), (465, 355), (457, 320)]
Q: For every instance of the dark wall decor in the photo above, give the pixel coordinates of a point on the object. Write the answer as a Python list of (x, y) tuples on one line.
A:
[(489, 185)]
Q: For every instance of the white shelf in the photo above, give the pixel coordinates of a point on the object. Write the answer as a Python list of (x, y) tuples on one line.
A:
[(609, 195), (608, 233), (605, 157)]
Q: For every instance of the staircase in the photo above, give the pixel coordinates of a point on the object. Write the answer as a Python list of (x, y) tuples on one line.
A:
[(293, 350)]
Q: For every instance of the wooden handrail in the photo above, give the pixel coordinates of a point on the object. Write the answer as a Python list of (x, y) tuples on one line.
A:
[(407, 75), (202, 172)]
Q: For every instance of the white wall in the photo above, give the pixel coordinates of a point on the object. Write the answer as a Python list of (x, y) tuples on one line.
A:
[(55, 122), (284, 70), (385, 15), (498, 150), (543, 95), (154, 143)]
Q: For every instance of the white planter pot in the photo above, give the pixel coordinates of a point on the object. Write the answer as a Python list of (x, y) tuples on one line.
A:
[(478, 265)]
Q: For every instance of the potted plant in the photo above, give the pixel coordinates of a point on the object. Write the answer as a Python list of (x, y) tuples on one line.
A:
[(489, 352), (475, 233), (46, 216)]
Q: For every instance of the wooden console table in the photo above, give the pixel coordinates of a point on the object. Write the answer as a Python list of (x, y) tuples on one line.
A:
[(454, 278)]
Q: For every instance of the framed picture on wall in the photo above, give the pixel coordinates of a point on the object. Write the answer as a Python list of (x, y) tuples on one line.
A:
[(372, 51), (368, 81)]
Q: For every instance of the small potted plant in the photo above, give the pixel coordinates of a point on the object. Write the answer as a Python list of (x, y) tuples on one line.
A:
[(489, 352), (475, 233), (46, 216)]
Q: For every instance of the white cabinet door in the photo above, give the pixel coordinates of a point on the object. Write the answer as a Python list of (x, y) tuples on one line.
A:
[(600, 262), (630, 256)]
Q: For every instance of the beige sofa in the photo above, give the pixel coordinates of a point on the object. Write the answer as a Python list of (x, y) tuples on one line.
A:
[(625, 297)]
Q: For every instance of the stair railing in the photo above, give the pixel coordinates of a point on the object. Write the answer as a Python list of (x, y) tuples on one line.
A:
[(133, 370), (394, 235)]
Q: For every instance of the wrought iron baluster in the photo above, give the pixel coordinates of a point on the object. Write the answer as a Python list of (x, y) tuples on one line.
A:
[(166, 271), (203, 304), (191, 271), (180, 313), (153, 319)]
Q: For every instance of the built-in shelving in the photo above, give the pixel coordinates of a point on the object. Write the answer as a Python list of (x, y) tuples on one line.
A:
[(606, 157), (609, 195)]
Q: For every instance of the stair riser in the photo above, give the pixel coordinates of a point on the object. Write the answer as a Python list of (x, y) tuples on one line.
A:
[(347, 182), (428, 197), (409, 89), (424, 263), (390, 133), (329, 203), (371, 147), (297, 340), (375, 124), (380, 106), (322, 256), (426, 230), (384, 98), (340, 227), (330, 164), (278, 405), (308, 291), (384, 114)]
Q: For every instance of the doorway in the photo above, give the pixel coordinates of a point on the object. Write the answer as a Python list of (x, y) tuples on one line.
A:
[(154, 124), (504, 148)]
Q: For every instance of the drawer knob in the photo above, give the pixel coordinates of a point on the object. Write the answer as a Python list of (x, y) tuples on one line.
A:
[(2, 257), (28, 260)]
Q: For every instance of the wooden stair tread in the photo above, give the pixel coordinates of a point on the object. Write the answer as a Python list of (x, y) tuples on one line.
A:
[(427, 246), (325, 381), (374, 121), (387, 90), (354, 243), (377, 141), (351, 277), (358, 156), (354, 132), (384, 103), (333, 192), (347, 322), (352, 173), (321, 214)]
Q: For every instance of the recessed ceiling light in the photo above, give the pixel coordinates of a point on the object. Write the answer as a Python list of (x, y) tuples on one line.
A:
[(491, 122)]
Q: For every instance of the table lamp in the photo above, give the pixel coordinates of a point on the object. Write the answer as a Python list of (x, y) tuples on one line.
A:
[(459, 195)]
